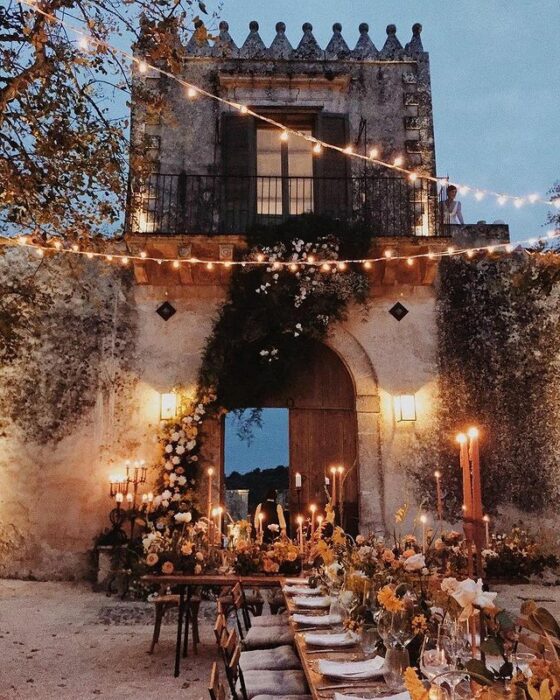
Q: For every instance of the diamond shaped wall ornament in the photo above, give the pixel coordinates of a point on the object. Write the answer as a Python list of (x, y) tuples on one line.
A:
[(166, 310), (398, 311)]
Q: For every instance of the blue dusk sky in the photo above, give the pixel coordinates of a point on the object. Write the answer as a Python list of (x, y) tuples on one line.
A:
[(269, 446), (495, 75)]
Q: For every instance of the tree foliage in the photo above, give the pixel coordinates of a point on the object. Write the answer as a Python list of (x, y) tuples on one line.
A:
[(64, 149)]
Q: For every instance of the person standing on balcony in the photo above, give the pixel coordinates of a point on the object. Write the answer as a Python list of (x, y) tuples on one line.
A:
[(451, 207)]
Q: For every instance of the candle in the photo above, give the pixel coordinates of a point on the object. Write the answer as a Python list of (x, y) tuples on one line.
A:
[(298, 480), (486, 519), (220, 511), (437, 475), (340, 471), (300, 533), (424, 520), (313, 509), (210, 472), (333, 494)]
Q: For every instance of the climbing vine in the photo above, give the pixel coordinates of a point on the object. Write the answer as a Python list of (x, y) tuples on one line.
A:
[(260, 336), (499, 368)]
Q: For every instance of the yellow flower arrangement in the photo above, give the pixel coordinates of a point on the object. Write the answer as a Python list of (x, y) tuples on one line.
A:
[(387, 598), (414, 685), (419, 624)]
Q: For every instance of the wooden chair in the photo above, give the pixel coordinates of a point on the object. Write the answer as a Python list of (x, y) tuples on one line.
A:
[(165, 602), (216, 688), (246, 685)]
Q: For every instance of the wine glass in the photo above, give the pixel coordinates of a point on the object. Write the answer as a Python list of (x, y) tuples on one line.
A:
[(369, 639), (522, 661), (396, 663), (433, 658)]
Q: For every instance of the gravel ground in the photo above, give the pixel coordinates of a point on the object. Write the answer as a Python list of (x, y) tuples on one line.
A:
[(61, 640)]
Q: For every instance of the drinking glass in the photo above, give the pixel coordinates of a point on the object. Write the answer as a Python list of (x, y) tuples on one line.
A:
[(522, 661), (369, 638), (396, 663), (433, 658)]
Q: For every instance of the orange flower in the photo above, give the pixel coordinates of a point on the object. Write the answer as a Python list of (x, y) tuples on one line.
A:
[(387, 598), (167, 567)]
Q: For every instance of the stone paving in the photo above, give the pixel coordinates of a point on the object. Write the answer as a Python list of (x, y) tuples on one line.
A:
[(62, 640)]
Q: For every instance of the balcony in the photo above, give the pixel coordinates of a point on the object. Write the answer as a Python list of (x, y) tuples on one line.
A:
[(217, 204)]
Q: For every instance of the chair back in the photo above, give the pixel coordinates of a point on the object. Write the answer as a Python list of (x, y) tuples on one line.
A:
[(216, 688), (235, 674), (220, 627), (241, 614)]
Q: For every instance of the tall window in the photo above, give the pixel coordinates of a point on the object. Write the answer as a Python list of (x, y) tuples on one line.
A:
[(284, 174)]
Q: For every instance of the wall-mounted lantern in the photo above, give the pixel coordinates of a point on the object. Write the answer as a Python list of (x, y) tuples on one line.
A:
[(168, 406), (405, 407)]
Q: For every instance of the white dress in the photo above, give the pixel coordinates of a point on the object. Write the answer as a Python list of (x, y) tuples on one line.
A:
[(450, 216)]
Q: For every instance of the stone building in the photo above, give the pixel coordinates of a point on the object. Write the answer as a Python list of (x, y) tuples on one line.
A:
[(215, 173)]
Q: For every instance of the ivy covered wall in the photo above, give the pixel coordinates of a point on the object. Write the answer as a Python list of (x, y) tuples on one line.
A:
[(499, 368)]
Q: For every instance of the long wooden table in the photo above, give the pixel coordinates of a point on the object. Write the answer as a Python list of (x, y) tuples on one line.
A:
[(185, 583), (320, 686)]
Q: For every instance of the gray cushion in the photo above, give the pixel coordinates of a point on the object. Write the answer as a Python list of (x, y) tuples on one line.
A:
[(280, 659), (268, 637), (268, 620), (285, 683), (283, 697)]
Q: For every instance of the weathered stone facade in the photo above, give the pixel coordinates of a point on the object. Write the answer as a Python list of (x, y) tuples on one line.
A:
[(82, 394)]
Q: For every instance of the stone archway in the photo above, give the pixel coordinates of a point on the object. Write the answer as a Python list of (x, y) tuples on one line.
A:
[(368, 412)]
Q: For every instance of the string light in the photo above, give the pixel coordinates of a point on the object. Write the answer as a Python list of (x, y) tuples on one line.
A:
[(86, 42), (324, 265)]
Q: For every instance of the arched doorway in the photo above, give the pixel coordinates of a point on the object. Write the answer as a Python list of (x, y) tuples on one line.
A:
[(323, 432)]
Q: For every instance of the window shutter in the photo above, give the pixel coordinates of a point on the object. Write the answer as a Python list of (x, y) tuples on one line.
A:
[(332, 168), (239, 170)]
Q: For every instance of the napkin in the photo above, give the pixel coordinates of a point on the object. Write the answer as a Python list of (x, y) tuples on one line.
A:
[(317, 620), (301, 590), (341, 639), (352, 670), (398, 696), (312, 601)]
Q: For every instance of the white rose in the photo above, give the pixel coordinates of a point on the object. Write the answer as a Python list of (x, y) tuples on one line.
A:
[(470, 594), (449, 585), (415, 563)]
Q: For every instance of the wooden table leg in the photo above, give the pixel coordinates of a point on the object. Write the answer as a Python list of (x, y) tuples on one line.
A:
[(180, 614), (187, 621)]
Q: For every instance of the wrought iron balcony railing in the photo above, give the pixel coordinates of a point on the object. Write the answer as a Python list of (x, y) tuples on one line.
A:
[(221, 204)]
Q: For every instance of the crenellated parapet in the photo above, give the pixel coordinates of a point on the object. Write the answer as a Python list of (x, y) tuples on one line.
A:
[(308, 48)]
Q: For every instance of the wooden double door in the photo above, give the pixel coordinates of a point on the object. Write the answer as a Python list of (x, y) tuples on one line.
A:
[(323, 432)]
